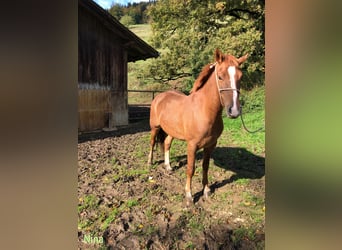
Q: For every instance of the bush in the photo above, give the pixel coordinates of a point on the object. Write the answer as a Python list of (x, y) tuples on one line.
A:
[(127, 20), (254, 99)]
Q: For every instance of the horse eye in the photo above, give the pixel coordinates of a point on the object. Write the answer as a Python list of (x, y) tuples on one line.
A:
[(220, 78)]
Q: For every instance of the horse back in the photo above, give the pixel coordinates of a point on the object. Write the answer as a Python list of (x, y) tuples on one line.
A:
[(167, 111), (183, 117), (168, 100)]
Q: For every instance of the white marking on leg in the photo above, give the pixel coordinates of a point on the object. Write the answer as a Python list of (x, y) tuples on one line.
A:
[(167, 160), (188, 198), (231, 72), (206, 191), (150, 156)]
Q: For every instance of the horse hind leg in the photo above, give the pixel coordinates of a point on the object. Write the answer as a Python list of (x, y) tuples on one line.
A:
[(167, 146), (158, 135), (206, 158), (154, 132)]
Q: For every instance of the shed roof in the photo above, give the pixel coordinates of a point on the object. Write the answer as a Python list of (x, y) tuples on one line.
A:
[(137, 49)]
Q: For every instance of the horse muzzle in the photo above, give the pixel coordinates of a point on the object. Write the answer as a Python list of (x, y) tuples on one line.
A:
[(233, 112)]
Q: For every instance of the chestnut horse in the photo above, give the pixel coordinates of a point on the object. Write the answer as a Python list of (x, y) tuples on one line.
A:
[(197, 118)]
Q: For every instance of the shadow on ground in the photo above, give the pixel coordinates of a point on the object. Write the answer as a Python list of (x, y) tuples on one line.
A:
[(243, 163), (239, 160), (132, 128)]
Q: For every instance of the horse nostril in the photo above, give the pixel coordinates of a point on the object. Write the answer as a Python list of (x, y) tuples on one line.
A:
[(232, 112)]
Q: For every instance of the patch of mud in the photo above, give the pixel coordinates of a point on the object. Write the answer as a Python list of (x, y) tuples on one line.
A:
[(130, 205)]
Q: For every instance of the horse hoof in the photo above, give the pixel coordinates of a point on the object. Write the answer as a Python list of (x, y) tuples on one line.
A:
[(189, 200), (189, 203), (168, 167), (206, 193), (206, 196)]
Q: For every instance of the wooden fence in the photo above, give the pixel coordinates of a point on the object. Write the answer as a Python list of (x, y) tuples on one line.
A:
[(142, 97), (139, 102)]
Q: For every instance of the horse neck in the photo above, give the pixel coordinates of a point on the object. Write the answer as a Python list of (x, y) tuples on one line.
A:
[(211, 100)]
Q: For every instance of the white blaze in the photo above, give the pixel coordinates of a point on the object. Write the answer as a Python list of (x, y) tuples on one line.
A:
[(231, 72)]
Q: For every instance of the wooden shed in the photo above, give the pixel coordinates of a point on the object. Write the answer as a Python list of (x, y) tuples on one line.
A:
[(105, 46)]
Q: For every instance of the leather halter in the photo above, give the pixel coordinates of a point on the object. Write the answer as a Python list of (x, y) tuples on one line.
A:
[(222, 89)]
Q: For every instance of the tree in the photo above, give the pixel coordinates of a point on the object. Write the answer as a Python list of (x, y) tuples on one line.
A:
[(116, 10), (187, 33), (127, 20), (135, 10)]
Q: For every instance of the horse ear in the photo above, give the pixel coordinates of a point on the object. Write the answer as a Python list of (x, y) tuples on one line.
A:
[(243, 58), (219, 57)]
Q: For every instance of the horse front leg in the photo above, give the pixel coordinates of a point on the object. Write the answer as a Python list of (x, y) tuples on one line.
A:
[(206, 158), (191, 152)]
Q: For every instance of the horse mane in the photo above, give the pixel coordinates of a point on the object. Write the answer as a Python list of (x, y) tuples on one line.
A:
[(203, 77), (208, 70)]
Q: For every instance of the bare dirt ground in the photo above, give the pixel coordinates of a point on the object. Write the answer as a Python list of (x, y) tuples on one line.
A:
[(126, 204)]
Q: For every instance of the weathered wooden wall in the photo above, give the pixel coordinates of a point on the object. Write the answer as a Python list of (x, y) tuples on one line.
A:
[(94, 108), (102, 60), (101, 54)]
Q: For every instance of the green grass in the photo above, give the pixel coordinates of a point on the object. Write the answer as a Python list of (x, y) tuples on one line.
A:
[(143, 31), (107, 216), (110, 218), (137, 79), (189, 245), (234, 132), (150, 230), (253, 114), (88, 202), (242, 181), (243, 233), (196, 224), (113, 161), (132, 203)]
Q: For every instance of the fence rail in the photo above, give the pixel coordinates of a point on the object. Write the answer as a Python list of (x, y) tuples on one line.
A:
[(139, 102), (142, 97)]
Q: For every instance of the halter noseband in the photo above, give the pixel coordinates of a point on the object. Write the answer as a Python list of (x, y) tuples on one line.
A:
[(222, 89)]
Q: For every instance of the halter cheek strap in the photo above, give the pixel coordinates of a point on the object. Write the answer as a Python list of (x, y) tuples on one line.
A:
[(222, 89)]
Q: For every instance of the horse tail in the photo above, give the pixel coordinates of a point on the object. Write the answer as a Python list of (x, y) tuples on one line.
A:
[(161, 135)]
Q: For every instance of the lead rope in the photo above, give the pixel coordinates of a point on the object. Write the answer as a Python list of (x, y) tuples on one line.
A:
[(244, 126)]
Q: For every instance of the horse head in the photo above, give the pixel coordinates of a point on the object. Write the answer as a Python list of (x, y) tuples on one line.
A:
[(228, 75)]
